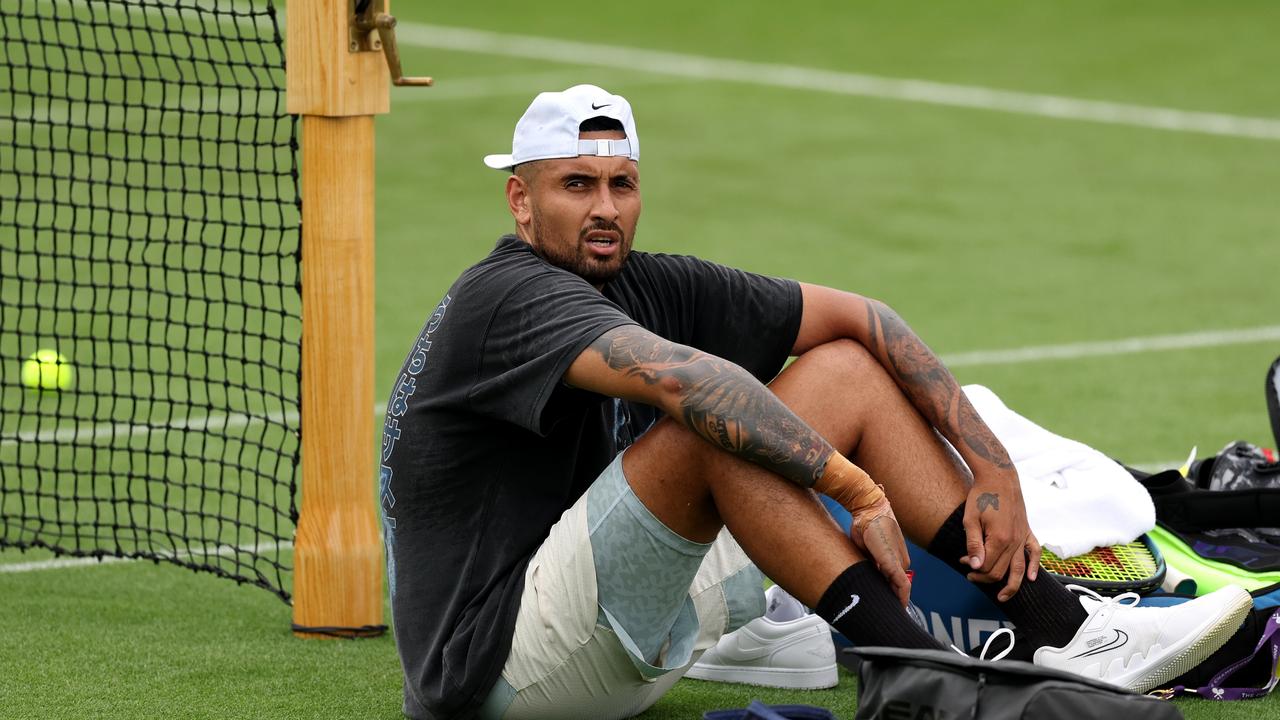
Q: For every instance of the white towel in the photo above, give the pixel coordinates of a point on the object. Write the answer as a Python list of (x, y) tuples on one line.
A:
[(1077, 498)]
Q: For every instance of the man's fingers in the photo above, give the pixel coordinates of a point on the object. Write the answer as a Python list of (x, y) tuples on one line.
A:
[(1033, 564), (889, 550), (903, 585), (997, 562), (897, 578), (904, 582), (973, 542), (1017, 567), (1000, 565), (996, 573), (997, 556)]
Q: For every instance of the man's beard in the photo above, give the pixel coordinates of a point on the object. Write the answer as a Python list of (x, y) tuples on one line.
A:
[(577, 259)]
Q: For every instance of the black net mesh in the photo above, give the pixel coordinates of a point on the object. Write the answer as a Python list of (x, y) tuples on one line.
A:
[(149, 239)]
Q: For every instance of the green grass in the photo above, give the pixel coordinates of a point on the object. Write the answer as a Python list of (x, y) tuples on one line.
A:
[(985, 230)]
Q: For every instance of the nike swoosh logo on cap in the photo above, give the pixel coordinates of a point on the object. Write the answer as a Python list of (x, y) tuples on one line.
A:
[(597, 107)]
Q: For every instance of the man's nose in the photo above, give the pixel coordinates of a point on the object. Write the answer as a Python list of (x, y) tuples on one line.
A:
[(604, 207)]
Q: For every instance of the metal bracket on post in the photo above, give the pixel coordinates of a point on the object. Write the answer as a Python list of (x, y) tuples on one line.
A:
[(374, 29)]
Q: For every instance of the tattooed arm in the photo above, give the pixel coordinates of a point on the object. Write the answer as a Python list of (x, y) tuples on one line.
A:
[(716, 399), (995, 519), (729, 408)]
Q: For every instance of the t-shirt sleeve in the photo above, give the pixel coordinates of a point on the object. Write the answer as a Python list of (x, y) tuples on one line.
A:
[(536, 332), (744, 317)]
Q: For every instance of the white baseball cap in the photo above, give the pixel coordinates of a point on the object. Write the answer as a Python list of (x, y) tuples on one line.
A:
[(549, 128)]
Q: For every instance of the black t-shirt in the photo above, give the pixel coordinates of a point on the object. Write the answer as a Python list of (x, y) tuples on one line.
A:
[(484, 446)]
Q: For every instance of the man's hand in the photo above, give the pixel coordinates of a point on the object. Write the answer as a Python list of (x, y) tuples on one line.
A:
[(875, 531), (1001, 544)]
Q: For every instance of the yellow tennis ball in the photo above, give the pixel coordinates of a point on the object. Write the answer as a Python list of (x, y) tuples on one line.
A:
[(47, 369)]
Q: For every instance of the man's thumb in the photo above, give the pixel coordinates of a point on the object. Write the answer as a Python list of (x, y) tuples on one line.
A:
[(973, 543)]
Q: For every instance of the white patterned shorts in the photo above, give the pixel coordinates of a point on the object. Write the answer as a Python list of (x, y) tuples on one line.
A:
[(616, 607)]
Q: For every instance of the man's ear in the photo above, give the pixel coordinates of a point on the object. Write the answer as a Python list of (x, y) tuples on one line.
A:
[(518, 200)]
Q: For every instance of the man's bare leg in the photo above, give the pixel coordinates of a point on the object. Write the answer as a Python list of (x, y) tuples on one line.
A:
[(840, 391), (843, 393)]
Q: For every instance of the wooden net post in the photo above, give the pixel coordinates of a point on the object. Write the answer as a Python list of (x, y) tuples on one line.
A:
[(338, 551)]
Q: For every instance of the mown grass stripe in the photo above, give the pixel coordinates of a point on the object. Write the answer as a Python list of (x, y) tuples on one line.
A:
[(795, 77)]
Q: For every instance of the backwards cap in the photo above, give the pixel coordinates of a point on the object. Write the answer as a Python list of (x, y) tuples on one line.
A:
[(549, 128)]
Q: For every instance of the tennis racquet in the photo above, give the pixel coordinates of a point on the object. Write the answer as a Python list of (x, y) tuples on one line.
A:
[(1131, 567)]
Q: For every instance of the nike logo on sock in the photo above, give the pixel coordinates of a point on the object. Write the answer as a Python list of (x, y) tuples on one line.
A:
[(853, 601)]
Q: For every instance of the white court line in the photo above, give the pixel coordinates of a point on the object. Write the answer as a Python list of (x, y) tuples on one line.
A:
[(1011, 356), (830, 81), (1126, 346), (522, 85), (796, 77), (60, 563), (99, 431)]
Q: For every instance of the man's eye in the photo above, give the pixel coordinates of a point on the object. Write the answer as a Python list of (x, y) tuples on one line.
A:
[(575, 184)]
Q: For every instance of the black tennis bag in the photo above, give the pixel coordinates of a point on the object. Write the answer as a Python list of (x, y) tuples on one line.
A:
[(899, 684)]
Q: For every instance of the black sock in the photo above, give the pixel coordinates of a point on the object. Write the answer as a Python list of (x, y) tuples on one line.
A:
[(1045, 612), (861, 606)]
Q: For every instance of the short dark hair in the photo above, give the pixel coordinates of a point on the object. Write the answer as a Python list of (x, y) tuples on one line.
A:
[(526, 170), (600, 124)]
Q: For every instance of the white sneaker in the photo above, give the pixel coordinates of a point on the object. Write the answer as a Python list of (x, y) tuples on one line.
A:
[(1143, 648), (786, 648)]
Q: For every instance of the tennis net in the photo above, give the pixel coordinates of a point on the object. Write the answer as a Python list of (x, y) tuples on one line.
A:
[(149, 234)]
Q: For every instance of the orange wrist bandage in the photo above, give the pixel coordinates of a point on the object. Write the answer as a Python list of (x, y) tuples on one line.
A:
[(848, 485)]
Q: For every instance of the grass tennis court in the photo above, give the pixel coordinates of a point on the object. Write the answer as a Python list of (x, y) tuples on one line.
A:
[(988, 229)]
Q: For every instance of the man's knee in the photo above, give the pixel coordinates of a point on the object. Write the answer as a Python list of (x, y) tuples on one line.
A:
[(814, 387), (667, 469), (844, 358), (669, 443)]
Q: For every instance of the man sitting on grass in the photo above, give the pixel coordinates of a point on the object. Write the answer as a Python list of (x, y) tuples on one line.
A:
[(590, 451)]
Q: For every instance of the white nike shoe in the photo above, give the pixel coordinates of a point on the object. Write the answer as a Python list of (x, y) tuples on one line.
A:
[(1142, 648), (786, 648)]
